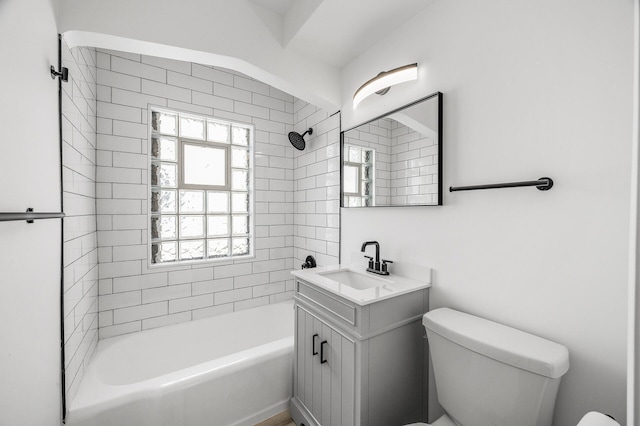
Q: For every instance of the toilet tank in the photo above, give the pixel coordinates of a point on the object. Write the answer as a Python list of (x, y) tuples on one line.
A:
[(488, 374)]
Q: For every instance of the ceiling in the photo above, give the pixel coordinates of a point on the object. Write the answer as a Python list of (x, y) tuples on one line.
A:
[(334, 31)]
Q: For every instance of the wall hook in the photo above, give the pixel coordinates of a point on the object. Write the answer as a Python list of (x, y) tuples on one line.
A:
[(63, 74)]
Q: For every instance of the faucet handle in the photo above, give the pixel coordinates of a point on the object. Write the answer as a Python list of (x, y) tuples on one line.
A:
[(370, 261), (384, 264)]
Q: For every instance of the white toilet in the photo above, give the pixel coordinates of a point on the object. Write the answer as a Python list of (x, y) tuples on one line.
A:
[(488, 374)]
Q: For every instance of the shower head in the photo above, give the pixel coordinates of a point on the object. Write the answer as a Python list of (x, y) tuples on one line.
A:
[(297, 139)]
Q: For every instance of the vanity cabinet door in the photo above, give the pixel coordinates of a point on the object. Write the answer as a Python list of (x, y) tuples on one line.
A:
[(325, 365)]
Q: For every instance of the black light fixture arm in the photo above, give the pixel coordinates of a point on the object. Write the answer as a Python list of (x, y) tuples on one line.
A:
[(543, 184)]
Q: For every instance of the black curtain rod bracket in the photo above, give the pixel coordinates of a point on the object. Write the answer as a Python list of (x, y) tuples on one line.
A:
[(29, 216), (543, 184), (63, 73)]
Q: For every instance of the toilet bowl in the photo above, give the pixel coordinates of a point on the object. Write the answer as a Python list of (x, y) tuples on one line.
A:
[(594, 418), (444, 420), (523, 371)]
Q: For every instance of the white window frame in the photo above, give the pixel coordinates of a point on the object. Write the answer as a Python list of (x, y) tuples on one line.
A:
[(346, 196), (227, 188)]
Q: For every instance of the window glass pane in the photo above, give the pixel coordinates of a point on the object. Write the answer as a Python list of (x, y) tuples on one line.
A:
[(354, 202), (191, 249), (191, 226), (164, 174), (240, 158), (163, 123), (191, 202), (163, 227), (239, 180), (217, 226), (163, 148), (350, 179), (218, 248), (240, 202), (163, 201), (354, 154), (367, 172), (204, 165), (217, 202), (240, 135), (155, 174), (191, 128), (366, 188), (240, 225), (367, 156), (217, 132), (163, 252), (240, 246)]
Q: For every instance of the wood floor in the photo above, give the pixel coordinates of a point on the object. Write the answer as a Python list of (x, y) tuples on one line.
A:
[(280, 419)]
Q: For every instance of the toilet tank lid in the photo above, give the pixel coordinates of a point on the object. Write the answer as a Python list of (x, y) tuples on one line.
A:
[(500, 342)]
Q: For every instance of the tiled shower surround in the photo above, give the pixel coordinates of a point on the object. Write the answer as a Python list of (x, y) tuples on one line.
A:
[(293, 218), (79, 189), (317, 186)]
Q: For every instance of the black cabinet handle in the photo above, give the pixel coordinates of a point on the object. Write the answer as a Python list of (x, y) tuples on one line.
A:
[(322, 358), (313, 344)]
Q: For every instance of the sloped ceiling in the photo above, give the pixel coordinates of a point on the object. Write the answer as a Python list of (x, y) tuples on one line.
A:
[(297, 46), (333, 31)]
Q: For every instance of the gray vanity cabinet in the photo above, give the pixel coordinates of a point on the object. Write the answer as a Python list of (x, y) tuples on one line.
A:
[(325, 379), (358, 364)]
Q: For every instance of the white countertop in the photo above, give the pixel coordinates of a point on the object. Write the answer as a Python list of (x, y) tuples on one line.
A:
[(391, 285)]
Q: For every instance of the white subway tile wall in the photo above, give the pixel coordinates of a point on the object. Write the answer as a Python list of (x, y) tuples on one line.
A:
[(135, 297), (316, 184), (414, 166), (79, 191)]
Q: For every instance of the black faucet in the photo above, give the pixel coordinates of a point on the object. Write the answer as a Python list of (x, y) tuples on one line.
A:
[(376, 266)]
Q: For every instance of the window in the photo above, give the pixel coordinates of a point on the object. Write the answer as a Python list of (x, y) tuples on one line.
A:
[(358, 176), (201, 188)]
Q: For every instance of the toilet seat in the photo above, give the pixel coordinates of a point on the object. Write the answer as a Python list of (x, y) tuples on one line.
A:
[(444, 420)]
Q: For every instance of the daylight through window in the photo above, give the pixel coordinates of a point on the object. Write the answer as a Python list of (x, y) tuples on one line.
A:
[(201, 188)]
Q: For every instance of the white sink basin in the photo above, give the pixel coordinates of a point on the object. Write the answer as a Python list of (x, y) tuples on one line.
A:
[(357, 280)]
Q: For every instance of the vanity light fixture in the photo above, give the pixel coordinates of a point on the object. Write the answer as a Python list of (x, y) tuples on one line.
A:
[(381, 83)]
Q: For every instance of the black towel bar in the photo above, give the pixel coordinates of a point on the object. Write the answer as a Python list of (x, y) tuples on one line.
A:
[(543, 184)]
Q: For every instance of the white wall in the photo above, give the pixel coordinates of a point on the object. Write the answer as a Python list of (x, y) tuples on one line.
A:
[(633, 340), (530, 89), (29, 253)]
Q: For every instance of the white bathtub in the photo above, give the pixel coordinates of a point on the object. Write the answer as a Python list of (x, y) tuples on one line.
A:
[(232, 369)]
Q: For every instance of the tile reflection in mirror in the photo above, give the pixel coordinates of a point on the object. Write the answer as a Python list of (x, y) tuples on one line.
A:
[(396, 159)]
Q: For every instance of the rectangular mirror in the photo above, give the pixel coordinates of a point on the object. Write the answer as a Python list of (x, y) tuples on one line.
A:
[(395, 159)]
